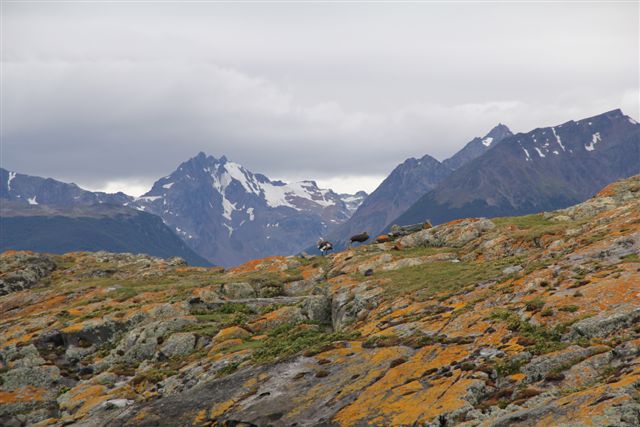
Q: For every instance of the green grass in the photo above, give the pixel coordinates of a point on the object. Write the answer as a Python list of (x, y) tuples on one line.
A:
[(291, 339), (545, 339), (440, 277), (631, 258), (534, 226)]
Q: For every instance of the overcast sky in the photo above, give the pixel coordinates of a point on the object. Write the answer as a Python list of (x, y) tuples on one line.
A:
[(115, 95)]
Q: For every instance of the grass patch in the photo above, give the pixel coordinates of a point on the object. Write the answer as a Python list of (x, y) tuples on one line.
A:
[(631, 258), (534, 226), (440, 277), (291, 339), (544, 340)]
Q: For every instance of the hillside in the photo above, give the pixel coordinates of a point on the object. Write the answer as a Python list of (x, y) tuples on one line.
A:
[(528, 321), (544, 169), (102, 227), (406, 184)]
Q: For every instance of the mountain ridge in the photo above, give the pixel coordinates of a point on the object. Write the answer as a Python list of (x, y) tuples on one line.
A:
[(406, 183), (544, 169)]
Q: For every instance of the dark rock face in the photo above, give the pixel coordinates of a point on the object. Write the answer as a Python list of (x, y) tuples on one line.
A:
[(89, 228), (231, 215), (407, 183), (478, 146), (545, 169), (34, 190)]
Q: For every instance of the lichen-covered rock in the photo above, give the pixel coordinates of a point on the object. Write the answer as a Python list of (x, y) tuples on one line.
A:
[(351, 304), (141, 343), (238, 290), (540, 366), (454, 234), (606, 323), (179, 344), (436, 331), (23, 270)]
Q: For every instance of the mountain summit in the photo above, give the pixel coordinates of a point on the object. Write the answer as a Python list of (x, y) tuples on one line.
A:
[(478, 146), (545, 169), (229, 214)]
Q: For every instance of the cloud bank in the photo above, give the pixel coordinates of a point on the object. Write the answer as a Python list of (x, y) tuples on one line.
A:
[(113, 96)]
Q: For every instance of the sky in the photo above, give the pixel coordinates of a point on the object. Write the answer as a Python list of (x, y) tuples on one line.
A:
[(114, 95)]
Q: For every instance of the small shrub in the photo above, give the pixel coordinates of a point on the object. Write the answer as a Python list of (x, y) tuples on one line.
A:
[(547, 312), (535, 304)]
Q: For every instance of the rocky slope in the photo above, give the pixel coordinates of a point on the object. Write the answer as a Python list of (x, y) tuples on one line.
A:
[(547, 168), (406, 184), (528, 321)]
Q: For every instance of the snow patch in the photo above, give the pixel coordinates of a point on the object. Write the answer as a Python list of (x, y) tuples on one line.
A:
[(557, 138), (595, 138), (251, 215), (527, 153), (149, 198), (168, 186), (32, 200), (12, 175), (539, 152), (228, 208), (230, 228), (487, 141)]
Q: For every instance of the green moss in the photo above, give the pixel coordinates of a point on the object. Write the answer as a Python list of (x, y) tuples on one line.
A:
[(631, 258), (545, 340), (291, 339), (508, 367), (153, 376), (569, 308), (535, 304)]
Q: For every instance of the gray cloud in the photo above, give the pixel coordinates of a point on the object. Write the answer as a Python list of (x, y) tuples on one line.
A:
[(117, 94)]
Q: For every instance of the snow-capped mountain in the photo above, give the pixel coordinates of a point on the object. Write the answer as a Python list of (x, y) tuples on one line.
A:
[(544, 169), (353, 201), (217, 207), (230, 214)]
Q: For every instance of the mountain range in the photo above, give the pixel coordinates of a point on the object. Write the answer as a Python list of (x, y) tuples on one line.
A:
[(545, 169), (225, 214), (407, 183)]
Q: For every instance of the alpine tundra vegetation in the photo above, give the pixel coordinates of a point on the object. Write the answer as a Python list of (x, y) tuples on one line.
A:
[(530, 321)]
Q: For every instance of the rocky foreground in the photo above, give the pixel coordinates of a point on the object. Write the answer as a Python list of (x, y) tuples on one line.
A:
[(527, 321)]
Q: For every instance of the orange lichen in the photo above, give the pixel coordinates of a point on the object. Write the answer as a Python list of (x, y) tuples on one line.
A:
[(22, 395)]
